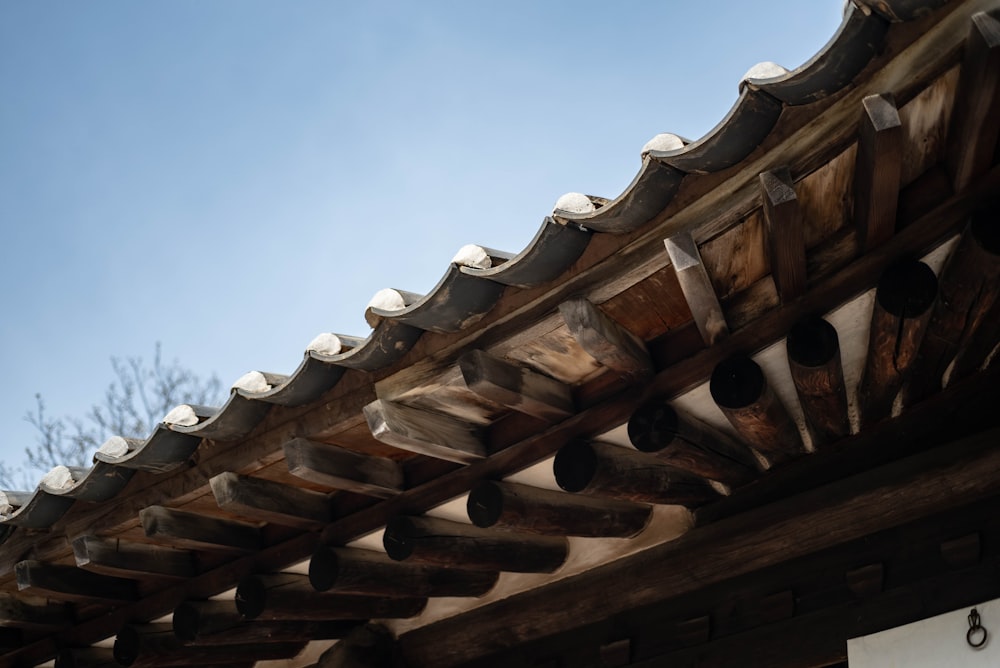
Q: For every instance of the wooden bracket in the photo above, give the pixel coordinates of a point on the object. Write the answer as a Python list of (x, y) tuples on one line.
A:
[(786, 240), (606, 340), (425, 433), (343, 469), (877, 171), (517, 388), (198, 532), (269, 501), (112, 556), (697, 287)]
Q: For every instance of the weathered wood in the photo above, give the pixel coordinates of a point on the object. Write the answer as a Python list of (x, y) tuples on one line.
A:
[(517, 388), (343, 469), (289, 596), (977, 351), (197, 532), (877, 171), (156, 645), (865, 581), (968, 288), (431, 540), (602, 469), (903, 301), (66, 583), (697, 287), (86, 657), (813, 349), (785, 235), (219, 623), (741, 391), (972, 137), (425, 433), (353, 571), (26, 613), (691, 445), (513, 507), (946, 478), (269, 501), (606, 340), (962, 552), (112, 556)]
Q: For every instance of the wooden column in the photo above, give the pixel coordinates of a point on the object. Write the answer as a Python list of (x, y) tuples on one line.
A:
[(689, 444), (343, 469), (606, 340), (269, 501), (972, 137), (517, 388), (602, 469), (740, 389), (786, 241), (903, 301), (432, 434), (431, 540), (968, 288), (512, 507), (813, 349), (697, 288), (877, 171), (197, 532), (289, 596), (353, 571)]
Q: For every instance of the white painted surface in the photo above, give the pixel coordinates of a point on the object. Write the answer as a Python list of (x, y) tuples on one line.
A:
[(473, 256), (574, 203), (182, 416), (664, 141), (938, 642), (325, 344), (252, 381), (116, 446), (387, 299), (58, 478)]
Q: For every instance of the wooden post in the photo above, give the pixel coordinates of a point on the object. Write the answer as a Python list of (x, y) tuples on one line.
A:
[(813, 349), (877, 171), (156, 645), (741, 391), (194, 531), (903, 301), (606, 340), (289, 596), (972, 137), (352, 571), (690, 444), (602, 469), (343, 469), (425, 433), (431, 540), (697, 288), (969, 286), (786, 240), (512, 507), (219, 623), (269, 501), (517, 388)]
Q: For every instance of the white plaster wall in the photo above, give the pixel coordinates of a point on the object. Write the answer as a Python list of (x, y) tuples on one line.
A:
[(938, 642)]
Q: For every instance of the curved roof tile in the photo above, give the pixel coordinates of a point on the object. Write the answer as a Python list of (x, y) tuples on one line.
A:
[(551, 252)]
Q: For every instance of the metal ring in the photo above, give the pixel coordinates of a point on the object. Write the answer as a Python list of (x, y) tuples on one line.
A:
[(974, 628)]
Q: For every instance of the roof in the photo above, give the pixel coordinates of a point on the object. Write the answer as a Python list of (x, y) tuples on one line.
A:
[(523, 377)]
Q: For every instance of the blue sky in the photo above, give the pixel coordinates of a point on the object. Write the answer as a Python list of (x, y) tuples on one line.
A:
[(231, 178)]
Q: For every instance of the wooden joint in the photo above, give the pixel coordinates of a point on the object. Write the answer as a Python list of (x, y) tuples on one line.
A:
[(697, 287), (606, 340), (866, 581), (962, 552)]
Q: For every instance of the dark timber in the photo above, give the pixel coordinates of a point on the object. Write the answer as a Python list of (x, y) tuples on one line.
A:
[(814, 360)]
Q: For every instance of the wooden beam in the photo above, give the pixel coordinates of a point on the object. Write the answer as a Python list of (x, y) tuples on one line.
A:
[(268, 501), (689, 444), (968, 288), (981, 345), (513, 507), (289, 596), (156, 645), (903, 301), (517, 388), (197, 532), (877, 171), (972, 137), (813, 349), (741, 391), (66, 583), (219, 623), (866, 581), (343, 469), (352, 571), (86, 657), (431, 434), (431, 540), (697, 287), (786, 240), (112, 556), (602, 469), (605, 340), (945, 478), (37, 614)]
